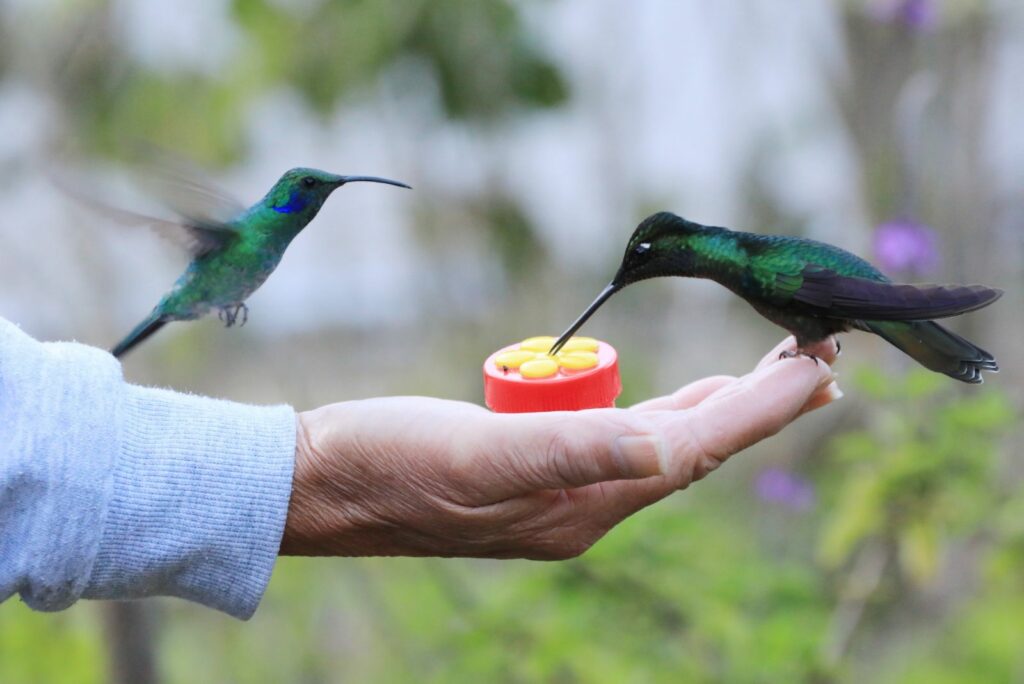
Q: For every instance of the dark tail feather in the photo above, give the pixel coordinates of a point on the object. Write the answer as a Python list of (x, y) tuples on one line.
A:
[(140, 333), (936, 348), (875, 300)]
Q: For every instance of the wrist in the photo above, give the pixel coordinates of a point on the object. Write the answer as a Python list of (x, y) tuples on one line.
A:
[(296, 536), (316, 524)]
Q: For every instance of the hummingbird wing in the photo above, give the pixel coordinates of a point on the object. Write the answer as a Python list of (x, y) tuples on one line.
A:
[(188, 192), (198, 230), (841, 296), (197, 239)]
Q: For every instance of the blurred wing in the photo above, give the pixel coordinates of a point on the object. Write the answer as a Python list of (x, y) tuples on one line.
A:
[(189, 195), (842, 296), (198, 235), (197, 240)]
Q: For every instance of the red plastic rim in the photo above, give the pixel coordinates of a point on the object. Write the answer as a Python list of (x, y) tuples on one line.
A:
[(508, 392)]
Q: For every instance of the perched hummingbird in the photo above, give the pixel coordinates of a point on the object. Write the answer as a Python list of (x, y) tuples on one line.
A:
[(232, 256), (810, 288)]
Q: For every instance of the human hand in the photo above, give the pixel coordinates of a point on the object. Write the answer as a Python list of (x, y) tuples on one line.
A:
[(417, 476)]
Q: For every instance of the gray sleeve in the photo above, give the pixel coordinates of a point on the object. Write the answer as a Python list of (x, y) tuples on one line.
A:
[(109, 490)]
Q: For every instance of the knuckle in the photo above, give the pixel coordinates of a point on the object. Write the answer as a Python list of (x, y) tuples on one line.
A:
[(702, 454), (465, 455), (559, 453), (462, 465), (468, 461)]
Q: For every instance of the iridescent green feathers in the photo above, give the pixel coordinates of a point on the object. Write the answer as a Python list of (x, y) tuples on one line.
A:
[(810, 288), (234, 250), (790, 271)]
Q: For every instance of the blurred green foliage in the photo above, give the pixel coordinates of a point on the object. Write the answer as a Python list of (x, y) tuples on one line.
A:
[(346, 43), (913, 478), (477, 54), (61, 648)]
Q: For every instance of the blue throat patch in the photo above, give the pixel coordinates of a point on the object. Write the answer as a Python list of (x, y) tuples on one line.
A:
[(295, 203)]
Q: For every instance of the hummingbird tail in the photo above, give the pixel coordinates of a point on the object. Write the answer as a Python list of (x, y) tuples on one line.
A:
[(936, 348), (139, 333)]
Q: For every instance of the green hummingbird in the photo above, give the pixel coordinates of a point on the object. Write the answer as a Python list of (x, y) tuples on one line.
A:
[(232, 254), (810, 288)]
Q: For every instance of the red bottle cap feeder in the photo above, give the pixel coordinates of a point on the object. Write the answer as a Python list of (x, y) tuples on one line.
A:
[(524, 378)]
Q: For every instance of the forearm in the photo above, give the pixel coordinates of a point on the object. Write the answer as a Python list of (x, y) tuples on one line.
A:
[(116, 491)]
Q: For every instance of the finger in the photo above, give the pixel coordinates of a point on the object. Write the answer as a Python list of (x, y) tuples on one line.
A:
[(823, 397), (696, 392), (824, 350), (739, 415), (786, 345), (687, 396), (607, 503), (531, 452)]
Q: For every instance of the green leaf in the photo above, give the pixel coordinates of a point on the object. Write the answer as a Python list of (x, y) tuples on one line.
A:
[(919, 550), (858, 514)]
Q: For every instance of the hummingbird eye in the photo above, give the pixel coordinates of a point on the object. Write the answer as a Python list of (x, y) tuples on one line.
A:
[(308, 181), (642, 248)]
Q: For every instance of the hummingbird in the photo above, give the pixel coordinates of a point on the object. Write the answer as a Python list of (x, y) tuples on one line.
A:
[(810, 288), (233, 253)]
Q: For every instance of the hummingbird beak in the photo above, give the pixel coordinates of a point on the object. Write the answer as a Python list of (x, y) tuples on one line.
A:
[(607, 292), (368, 179)]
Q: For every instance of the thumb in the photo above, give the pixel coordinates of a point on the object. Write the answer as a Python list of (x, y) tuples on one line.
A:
[(567, 450)]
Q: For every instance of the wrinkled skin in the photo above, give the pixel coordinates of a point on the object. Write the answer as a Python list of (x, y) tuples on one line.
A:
[(416, 476)]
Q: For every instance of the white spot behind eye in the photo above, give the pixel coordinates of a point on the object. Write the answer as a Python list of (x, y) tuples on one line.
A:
[(643, 247)]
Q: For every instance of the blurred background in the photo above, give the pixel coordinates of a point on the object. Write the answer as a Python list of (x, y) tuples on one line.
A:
[(880, 539)]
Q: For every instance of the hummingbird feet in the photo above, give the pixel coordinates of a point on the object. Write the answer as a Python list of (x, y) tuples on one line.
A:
[(793, 354), (229, 314)]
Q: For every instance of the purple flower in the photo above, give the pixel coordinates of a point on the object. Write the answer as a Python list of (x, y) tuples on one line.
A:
[(916, 15), (784, 488), (906, 246)]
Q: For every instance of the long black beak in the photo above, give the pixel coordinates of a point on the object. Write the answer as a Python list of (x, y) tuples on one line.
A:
[(369, 179), (607, 292)]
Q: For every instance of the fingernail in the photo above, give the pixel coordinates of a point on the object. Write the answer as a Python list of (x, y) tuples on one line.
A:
[(833, 392), (640, 455), (822, 397)]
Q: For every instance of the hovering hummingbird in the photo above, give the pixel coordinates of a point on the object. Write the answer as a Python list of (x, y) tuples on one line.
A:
[(810, 288), (233, 249)]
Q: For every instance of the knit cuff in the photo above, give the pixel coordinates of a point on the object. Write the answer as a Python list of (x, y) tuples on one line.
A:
[(199, 501)]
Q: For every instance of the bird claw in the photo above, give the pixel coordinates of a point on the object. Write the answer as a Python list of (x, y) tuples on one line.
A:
[(229, 315), (787, 354)]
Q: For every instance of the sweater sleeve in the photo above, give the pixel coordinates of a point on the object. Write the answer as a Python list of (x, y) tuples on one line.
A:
[(114, 491)]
